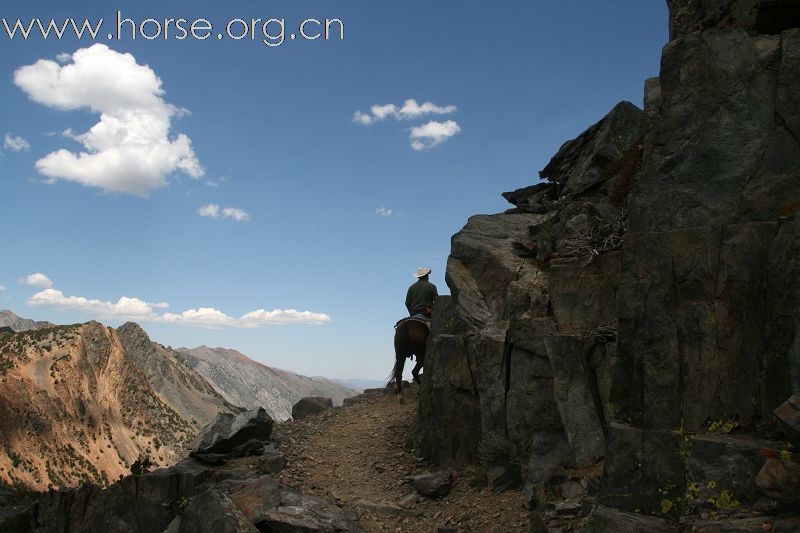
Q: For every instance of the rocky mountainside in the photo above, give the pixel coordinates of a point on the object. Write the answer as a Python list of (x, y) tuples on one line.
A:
[(10, 320), (244, 382), (85, 402), (638, 311), (342, 469)]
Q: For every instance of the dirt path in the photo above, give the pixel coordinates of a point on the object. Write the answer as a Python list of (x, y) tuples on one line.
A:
[(357, 453)]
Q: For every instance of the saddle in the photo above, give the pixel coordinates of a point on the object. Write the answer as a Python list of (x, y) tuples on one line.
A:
[(416, 318)]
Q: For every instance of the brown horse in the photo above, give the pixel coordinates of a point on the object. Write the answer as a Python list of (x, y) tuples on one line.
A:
[(410, 338)]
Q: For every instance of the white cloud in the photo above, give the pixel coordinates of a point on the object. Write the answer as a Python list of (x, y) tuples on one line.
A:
[(432, 133), (408, 111), (411, 109), (362, 118), (126, 308), (130, 149), (380, 112), (37, 280), (239, 215), (213, 184), (2, 288), (15, 144), (209, 211), (214, 211), (384, 212)]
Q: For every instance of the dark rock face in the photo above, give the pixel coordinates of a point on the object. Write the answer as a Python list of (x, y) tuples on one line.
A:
[(641, 311), (309, 406), (757, 16), (789, 415)]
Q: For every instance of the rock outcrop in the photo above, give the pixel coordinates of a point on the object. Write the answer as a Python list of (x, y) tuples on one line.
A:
[(235, 493), (310, 405), (638, 312)]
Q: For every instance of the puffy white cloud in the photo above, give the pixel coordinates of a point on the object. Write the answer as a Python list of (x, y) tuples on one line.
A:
[(2, 288), (126, 308), (214, 211), (37, 280), (408, 111), (432, 133), (130, 149), (239, 215), (209, 211), (384, 212), (380, 112), (15, 144)]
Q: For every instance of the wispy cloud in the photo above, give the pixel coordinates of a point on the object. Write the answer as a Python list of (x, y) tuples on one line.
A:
[(36, 280), (234, 213), (15, 143), (422, 137), (126, 308), (2, 288), (432, 134), (130, 150), (209, 211), (384, 212), (408, 111), (214, 211)]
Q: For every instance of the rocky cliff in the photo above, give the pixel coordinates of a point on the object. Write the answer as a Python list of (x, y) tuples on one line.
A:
[(244, 382), (85, 402), (636, 314)]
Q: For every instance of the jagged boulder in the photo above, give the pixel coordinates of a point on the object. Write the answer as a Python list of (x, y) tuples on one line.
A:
[(588, 160), (233, 435), (211, 511), (271, 506), (309, 406), (436, 485)]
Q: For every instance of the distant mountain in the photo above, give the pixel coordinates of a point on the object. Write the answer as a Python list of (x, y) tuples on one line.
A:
[(84, 402), (10, 320), (361, 383), (246, 383)]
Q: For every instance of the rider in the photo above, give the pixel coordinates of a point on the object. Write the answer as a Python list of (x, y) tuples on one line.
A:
[(421, 295)]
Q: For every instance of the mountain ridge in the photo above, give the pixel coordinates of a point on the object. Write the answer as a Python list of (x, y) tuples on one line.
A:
[(248, 383), (83, 403)]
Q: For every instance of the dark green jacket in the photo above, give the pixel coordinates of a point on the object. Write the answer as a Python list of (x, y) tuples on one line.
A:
[(420, 295)]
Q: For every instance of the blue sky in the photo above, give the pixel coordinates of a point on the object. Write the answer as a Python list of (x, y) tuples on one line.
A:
[(310, 210)]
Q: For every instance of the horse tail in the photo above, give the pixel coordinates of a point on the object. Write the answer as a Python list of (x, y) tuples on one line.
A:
[(401, 338)]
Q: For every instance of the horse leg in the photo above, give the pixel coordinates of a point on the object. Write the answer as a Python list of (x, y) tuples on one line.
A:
[(400, 363), (420, 363), (415, 372)]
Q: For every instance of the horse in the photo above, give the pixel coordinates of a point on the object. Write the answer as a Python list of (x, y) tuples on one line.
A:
[(410, 337)]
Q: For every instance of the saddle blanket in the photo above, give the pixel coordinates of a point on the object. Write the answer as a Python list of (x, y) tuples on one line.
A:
[(416, 318)]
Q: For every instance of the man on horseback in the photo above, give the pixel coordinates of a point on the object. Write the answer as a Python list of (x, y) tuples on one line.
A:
[(421, 295), (411, 334)]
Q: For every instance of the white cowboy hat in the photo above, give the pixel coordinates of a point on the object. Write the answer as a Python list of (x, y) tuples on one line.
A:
[(422, 271)]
